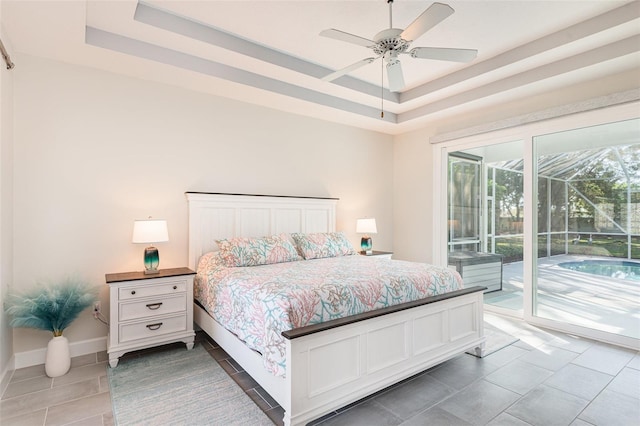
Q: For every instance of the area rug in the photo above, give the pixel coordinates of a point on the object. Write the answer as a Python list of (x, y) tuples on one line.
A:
[(496, 339), (179, 387)]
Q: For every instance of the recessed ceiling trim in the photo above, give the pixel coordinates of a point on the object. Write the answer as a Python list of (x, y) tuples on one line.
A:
[(611, 51), (141, 49), (168, 21), (610, 19), (621, 98), (180, 25), (173, 24)]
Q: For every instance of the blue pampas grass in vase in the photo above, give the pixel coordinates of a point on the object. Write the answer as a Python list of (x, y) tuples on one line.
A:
[(52, 308)]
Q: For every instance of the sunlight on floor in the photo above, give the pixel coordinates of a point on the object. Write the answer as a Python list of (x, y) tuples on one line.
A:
[(598, 302)]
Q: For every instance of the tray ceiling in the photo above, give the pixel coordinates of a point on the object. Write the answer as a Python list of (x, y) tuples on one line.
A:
[(270, 52)]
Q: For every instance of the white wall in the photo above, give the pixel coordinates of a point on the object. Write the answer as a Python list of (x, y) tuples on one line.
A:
[(6, 202), (413, 199), (94, 151)]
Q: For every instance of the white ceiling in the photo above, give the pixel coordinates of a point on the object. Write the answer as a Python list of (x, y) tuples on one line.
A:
[(270, 53)]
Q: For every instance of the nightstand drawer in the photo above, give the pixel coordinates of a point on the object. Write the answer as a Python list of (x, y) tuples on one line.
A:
[(127, 293), (152, 307), (152, 328)]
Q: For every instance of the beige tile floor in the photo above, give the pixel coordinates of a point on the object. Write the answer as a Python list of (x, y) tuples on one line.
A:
[(545, 378), (80, 397)]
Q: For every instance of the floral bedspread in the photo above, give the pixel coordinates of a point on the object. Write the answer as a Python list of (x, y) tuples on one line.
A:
[(258, 303)]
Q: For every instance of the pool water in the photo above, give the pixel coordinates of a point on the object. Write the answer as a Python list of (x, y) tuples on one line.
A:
[(621, 269)]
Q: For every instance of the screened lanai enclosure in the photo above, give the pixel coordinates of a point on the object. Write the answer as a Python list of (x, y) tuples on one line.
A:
[(586, 221), (588, 201)]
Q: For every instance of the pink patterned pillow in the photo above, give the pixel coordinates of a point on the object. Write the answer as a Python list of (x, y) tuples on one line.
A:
[(323, 244), (209, 261), (242, 251)]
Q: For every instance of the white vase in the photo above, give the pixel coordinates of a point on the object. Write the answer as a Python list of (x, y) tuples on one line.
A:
[(58, 359)]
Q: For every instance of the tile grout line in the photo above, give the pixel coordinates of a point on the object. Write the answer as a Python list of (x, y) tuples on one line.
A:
[(591, 401), (261, 397)]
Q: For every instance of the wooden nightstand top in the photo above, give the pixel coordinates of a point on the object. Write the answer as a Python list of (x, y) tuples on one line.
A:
[(140, 275), (377, 253)]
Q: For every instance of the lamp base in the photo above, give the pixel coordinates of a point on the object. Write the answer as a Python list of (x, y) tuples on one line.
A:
[(367, 245), (151, 260)]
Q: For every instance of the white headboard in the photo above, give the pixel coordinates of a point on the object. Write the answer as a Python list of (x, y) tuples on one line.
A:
[(216, 216)]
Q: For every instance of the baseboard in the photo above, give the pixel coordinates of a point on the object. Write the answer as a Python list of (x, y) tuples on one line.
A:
[(37, 356), (6, 374)]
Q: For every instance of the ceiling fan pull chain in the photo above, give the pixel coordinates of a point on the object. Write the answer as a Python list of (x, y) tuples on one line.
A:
[(382, 88)]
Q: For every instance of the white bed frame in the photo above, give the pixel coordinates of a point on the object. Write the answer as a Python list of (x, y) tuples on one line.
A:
[(332, 364)]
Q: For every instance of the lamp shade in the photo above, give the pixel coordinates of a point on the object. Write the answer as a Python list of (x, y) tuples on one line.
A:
[(150, 231), (366, 226)]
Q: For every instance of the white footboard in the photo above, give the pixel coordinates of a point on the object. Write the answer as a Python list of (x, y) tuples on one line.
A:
[(334, 367), (333, 364)]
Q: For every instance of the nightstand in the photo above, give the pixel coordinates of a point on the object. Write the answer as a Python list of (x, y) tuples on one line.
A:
[(149, 310), (383, 254)]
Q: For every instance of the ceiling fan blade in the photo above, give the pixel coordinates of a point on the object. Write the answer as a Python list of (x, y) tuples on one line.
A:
[(444, 54), (431, 17), (347, 70), (349, 38), (394, 72)]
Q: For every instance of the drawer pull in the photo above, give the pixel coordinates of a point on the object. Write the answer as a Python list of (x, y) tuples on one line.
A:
[(175, 287), (154, 326), (133, 292), (154, 306)]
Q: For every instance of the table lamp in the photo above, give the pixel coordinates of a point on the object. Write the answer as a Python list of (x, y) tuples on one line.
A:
[(366, 227), (150, 231)]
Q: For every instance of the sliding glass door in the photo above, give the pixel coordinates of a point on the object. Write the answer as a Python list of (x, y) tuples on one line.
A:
[(559, 202), (588, 222)]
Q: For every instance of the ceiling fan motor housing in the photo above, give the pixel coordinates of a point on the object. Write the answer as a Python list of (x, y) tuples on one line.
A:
[(390, 40)]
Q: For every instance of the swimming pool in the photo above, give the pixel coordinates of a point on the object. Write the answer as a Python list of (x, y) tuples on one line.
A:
[(621, 269)]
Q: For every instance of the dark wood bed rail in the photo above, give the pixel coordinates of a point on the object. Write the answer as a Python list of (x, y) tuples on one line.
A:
[(328, 325)]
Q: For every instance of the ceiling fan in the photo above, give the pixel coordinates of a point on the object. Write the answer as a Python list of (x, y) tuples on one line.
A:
[(392, 42)]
